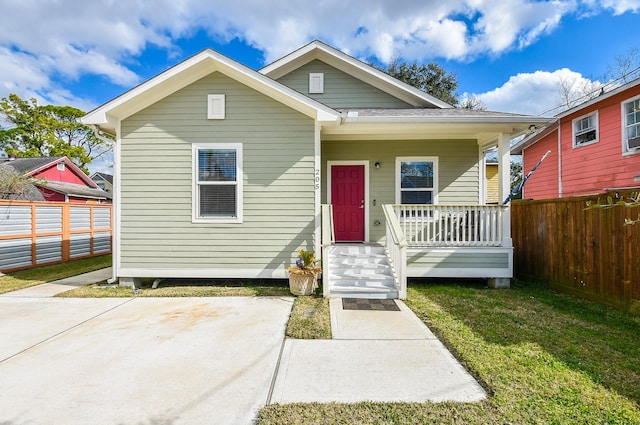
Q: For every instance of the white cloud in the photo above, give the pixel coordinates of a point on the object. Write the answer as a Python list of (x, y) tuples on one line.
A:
[(46, 42), (536, 93)]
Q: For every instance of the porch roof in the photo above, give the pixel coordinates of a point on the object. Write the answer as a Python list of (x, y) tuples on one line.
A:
[(430, 123)]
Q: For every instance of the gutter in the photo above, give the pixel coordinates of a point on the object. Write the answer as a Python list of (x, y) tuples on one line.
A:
[(114, 277)]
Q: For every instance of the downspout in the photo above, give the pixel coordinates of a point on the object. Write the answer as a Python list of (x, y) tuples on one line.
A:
[(114, 276), (559, 160)]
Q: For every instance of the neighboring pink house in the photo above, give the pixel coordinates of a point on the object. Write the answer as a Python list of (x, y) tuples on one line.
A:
[(595, 147), (57, 179)]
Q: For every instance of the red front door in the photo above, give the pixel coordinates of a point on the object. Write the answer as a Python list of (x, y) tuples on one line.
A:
[(347, 198)]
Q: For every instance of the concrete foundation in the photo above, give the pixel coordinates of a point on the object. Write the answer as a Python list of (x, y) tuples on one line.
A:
[(132, 282), (500, 283)]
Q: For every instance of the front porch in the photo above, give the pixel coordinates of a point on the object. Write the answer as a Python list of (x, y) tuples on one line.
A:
[(464, 241)]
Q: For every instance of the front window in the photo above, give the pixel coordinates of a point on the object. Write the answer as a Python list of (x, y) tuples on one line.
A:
[(585, 130), (631, 125), (417, 180), (218, 182)]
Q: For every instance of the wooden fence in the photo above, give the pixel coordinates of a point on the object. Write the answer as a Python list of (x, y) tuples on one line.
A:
[(37, 233), (589, 253)]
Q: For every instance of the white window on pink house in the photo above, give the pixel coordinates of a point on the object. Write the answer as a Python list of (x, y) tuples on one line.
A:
[(631, 126), (585, 130)]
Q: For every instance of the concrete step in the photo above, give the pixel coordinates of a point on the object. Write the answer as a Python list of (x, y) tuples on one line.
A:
[(363, 283), (358, 249), (363, 292), (357, 272), (358, 259)]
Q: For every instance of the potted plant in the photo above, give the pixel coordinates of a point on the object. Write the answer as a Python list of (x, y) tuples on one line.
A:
[(303, 277)]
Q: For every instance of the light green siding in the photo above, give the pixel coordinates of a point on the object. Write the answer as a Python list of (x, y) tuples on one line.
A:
[(341, 90), (457, 260), (458, 172), (156, 180)]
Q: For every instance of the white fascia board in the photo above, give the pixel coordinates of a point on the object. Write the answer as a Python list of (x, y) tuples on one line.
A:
[(353, 67)]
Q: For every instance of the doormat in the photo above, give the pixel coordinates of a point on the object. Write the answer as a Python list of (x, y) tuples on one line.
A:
[(368, 304)]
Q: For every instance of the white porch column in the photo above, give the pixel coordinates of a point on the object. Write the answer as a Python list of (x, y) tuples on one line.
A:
[(317, 192), (504, 186)]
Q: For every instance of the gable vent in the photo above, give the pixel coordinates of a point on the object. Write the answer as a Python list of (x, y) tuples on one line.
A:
[(316, 82)]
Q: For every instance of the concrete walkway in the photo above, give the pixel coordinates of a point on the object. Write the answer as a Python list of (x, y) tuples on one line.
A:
[(385, 356), (204, 360)]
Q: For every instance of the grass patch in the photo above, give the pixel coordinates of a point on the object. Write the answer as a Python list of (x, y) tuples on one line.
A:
[(184, 288), (310, 318), (39, 275), (545, 358)]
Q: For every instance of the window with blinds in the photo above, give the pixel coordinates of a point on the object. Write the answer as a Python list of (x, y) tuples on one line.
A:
[(218, 182), (416, 180)]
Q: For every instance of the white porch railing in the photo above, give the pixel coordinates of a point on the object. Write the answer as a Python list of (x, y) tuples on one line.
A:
[(396, 246), (451, 225), (327, 239)]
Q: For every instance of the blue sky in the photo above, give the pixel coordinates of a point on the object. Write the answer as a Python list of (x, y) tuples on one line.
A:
[(509, 53)]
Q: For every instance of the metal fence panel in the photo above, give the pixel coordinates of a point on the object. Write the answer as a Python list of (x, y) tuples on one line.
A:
[(48, 219), (15, 253), (102, 242), (48, 249), (80, 218), (80, 245), (102, 218), (15, 220)]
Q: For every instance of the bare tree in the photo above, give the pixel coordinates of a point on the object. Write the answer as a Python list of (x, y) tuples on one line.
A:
[(625, 67), (573, 90)]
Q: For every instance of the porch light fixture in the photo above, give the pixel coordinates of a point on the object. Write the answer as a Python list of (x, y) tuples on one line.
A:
[(377, 164)]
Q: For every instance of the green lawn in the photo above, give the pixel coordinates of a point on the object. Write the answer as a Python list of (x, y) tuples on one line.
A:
[(545, 358), (38, 275)]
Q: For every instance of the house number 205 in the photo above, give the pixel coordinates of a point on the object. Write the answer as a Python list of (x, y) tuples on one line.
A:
[(317, 179)]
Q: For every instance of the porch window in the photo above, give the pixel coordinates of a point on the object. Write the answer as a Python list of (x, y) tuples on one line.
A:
[(217, 193), (416, 180), (585, 130), (631, 126)]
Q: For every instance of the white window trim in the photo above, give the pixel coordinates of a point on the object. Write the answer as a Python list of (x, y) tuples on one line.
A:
[(313, 89), (623, 121), (433, 159), (195, 193), (596, 120), (216, 106), (60, 166)]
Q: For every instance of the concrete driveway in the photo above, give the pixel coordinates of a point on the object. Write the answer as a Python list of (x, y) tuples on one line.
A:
[(138, 361)]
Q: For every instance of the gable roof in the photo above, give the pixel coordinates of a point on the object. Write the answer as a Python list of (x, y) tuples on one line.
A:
[(191, 70), (103, 176), (30, 167), (543, 132), (354, 67)]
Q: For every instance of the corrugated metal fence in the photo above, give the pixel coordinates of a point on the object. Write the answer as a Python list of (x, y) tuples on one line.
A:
[(37, 233), (589, 253)]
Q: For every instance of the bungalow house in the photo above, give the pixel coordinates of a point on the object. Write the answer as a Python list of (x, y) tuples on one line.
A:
[(56, 179), (595, 147), (224, 171)]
